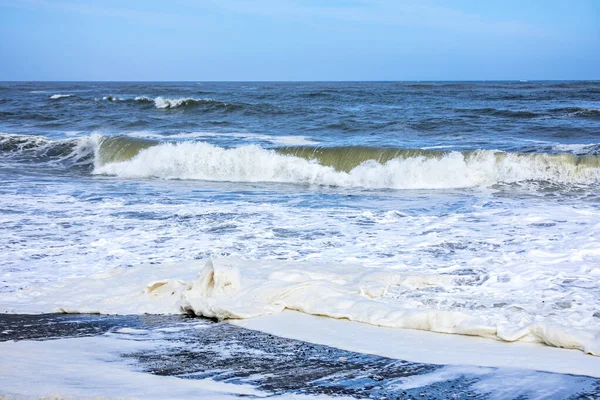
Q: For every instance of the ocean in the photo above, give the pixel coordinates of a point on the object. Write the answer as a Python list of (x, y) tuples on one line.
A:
[(468, 208)]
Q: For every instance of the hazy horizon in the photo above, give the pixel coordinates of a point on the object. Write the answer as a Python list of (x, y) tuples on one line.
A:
[(310, 81)]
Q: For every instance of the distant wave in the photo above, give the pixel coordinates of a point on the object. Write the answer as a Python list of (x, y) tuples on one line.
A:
[(555, 112), (200, 104), (501, 113), (144, 99), (112, 98), (578, 111), (170, 103), (59, 96)]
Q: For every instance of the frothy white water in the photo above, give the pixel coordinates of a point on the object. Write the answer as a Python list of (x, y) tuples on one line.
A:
[(252, 163), (513, 262), (293, 140), (60, 96), (578, 148), (239, 289), (94, 368)]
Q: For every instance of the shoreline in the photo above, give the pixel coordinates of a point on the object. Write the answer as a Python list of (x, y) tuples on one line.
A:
[(170, 351), (433, 347)]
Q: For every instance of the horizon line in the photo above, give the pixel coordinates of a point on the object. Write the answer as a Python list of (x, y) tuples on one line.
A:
[(302, 81)]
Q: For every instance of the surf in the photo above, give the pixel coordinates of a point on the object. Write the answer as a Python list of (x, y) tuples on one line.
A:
[(341, 166)]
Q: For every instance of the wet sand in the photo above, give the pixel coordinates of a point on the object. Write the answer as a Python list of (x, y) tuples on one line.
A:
[(201, 349)]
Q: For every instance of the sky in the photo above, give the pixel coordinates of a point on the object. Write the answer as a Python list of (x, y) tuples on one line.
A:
[(282, 40)]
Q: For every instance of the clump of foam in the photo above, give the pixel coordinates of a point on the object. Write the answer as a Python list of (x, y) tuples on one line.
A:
[(60, 96)]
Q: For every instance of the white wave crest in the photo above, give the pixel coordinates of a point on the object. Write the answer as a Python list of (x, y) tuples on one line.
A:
[(580, 149), (252, 163), (161, 102), (60, 96)]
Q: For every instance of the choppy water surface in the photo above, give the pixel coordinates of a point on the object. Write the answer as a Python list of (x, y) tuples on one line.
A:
[(495, 183)]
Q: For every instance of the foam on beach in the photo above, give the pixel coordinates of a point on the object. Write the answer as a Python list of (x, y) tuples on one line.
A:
[(239, 289)]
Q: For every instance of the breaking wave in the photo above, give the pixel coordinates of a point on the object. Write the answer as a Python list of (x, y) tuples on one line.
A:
[(352, 166), (27, 149), (168, 103), (365, 167)]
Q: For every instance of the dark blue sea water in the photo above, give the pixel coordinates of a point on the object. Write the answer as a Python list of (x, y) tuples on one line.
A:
[(510, 116)]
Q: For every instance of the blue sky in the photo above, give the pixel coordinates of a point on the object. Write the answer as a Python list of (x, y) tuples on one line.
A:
[(204, 40)]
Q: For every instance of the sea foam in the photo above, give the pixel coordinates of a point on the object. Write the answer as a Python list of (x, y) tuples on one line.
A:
[(60, 96), (230, 288)]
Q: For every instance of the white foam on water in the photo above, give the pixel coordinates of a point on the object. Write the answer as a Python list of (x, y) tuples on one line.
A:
[(183, 135), (163, 102), (514, 384), (92, 367), (504, 384), (524, 269), (576, 148), (250, 137), (251, 163), (293, 140), (60, 96)]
